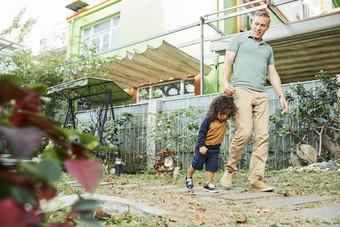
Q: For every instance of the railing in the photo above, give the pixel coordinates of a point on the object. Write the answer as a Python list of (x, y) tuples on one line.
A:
[(133, 131)]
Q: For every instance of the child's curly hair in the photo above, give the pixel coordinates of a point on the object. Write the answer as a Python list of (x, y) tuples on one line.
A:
[(221, 104)]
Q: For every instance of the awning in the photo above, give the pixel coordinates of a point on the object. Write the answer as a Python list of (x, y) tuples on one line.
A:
[(301, 48), (7, 46), (154, 65), (93, 89)]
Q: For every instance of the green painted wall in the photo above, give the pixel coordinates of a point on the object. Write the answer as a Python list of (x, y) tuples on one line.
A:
[(141, 19), (213, 81)]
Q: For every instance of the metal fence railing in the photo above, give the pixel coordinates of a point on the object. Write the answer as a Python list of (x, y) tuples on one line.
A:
[(177, 128)]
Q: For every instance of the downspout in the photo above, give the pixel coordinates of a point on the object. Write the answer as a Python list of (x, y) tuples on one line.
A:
[(218, 56), (202, 56), (70, 36), (238, 18)]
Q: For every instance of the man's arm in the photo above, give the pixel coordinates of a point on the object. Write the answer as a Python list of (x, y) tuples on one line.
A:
[(228, 89), (275, 81)]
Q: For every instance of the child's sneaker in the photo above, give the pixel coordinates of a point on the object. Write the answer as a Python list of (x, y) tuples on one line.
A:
[(210, 188), (189, 183)]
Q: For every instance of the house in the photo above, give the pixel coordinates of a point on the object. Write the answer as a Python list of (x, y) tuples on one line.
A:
[(169, 54), (163, 47)]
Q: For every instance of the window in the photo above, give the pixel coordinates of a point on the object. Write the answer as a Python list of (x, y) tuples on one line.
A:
[(104, 35), (171, 89)]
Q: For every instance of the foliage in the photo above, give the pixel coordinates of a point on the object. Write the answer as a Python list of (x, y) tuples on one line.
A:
[(169, 134), (314, 110), (129, 219), (160, 159), (21, 30), (86, 64), (24, 184)]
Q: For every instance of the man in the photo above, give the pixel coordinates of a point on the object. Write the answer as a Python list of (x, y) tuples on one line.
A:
[(252, 59)]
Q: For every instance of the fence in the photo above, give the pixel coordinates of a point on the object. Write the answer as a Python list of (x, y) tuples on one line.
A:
[(184, 116)]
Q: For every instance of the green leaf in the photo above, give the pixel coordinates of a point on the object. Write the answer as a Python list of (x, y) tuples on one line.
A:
[(88, 221), (14, 80), (24, 195), (84, 205), (49, 169), (40, 88), (52, 154)]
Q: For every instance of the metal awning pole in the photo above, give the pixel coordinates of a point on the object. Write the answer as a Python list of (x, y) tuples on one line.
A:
[(202, 56)]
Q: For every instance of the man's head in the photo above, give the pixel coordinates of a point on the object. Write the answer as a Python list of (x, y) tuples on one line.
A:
[(260, 25)]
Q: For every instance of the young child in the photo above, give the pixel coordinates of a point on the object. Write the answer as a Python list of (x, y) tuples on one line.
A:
[(210, 137)]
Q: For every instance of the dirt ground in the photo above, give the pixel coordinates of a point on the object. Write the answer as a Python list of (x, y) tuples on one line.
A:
[(187, 209)]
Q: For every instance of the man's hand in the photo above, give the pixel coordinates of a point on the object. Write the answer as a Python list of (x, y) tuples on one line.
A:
[(203, 150), (284, 105), (229, 90)]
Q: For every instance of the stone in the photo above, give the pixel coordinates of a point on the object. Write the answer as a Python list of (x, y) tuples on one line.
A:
[(160, 187), (126, 186), (293, 201), (331, 211), (307, 152), (247, 196), (295, 161), (324, 165), (109, 204), (334, 168)]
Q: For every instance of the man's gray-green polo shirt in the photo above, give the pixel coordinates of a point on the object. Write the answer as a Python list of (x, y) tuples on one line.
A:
[(251, 61)]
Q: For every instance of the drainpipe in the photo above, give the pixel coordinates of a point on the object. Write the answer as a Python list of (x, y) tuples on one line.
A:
[(202, 56)]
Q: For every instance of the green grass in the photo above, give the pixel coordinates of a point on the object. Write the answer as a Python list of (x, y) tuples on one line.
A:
[(190, 210)]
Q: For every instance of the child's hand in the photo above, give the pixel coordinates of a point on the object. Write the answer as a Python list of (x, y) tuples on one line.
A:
[(203, 150)]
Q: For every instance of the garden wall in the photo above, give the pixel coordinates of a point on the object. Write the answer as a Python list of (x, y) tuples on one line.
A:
[(175, 131)]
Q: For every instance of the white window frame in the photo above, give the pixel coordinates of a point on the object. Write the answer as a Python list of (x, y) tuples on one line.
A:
[(104, 40), (151, 87)]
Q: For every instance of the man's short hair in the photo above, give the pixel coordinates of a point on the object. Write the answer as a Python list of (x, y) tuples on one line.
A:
[(263, 14)]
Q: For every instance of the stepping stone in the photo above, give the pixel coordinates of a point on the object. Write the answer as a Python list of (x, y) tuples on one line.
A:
[(78, 185), (332, 211), (200, 191), (162, 187), (126, 186), (71, 182), (246, 196), (110, 205), (292, 201)]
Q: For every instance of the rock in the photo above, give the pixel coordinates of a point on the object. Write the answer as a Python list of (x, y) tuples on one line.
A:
[(307, 152), (324, 165), (109, 205), (290, 169), (295, 160), (334, 168), (314, 165)]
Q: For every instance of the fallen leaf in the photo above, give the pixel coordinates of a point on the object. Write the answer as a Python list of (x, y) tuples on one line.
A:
[(201, 209), (310, 170), (199, 222), (173, 219), (292, 192), (242, 221), (99, 213), (151, 204)]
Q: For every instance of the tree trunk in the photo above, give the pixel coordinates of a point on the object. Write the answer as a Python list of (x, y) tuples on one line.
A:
[(331, 146)]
